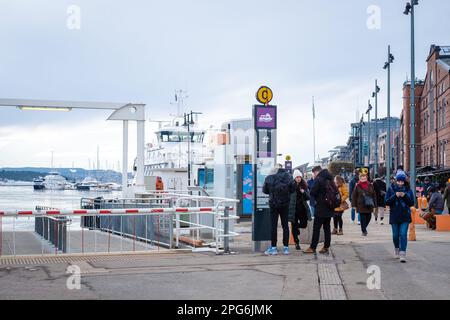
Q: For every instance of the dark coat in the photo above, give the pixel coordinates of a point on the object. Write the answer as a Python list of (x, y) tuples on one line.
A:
[(400, 208), (293, 204), (352, 186), (358, 198), (380, 190), (312, 201), (283, 176), (318, 191)]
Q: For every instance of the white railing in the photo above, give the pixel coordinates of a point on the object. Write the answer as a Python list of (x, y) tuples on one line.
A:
[(172, 209)]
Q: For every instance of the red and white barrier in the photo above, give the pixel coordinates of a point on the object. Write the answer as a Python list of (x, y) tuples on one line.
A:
[(91, 212)]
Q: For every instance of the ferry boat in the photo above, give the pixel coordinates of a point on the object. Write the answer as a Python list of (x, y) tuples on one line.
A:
[(38, 184), (87, 184), (168, 156), (54, 181)]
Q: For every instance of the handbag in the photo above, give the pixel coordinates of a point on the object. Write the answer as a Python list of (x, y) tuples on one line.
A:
[(344, 206), (368, 201)]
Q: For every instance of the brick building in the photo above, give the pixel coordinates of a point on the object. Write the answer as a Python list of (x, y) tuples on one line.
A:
[(432, 114), (435, 110)]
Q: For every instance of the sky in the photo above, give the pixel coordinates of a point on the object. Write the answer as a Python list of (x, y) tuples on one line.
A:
[(219, 51)]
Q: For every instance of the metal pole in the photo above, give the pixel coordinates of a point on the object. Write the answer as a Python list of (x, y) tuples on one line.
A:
[(368, 137), (413, 100), (189, 148), (226, 229), (388, 156), (375, 168), (314, 131), (125, 157), (140, 153)]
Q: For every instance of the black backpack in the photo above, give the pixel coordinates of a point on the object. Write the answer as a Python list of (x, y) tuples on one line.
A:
[(332, 195), (280, 193)]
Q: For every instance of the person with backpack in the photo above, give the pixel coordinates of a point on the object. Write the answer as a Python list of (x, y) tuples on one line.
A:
[(299, 213), (380, 190), (400, 199), (364, 200), (327, 199), (351, 187), (338, 212), (279, 187)]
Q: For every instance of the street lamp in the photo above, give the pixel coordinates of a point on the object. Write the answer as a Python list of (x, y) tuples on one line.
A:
[(188, 121), (409, 9), (360, 142), (368, 133), (387, 66), (375, 95)]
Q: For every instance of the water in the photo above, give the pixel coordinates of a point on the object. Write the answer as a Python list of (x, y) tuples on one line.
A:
[(26, 198)]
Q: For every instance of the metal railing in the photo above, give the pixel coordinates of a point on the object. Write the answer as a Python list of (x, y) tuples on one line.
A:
[(153, 220)]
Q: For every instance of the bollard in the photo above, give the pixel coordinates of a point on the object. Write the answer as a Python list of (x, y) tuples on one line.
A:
[(412, 226)]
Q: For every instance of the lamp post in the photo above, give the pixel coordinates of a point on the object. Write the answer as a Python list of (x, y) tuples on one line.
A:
[(360, 142), (375, 95), (410, 10), (368, 132), (387, 66), (188, 121)]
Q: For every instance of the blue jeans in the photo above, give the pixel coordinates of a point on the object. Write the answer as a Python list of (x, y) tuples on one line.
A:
[(313, 210), (400, 235), (353, 215)]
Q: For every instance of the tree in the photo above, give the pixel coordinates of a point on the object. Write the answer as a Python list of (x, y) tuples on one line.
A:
[(340, 168)]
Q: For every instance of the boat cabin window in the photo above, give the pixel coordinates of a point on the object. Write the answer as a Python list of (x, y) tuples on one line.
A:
[(171, 136)]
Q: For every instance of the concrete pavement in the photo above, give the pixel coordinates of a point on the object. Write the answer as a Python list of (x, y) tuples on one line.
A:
[(247, 275)]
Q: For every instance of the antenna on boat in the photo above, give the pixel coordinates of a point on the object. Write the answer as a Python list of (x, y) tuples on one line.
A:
[(180, 95)]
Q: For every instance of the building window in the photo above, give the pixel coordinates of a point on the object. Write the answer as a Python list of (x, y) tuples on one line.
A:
[(444, 104), (432, 156)]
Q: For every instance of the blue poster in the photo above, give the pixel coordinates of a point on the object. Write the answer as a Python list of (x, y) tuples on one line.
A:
[(247, 189)]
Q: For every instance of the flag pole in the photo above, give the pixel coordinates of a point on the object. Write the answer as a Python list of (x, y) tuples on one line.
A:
[(314, 130)]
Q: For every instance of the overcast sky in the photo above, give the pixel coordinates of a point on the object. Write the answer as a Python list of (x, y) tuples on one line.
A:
[(219, 51)]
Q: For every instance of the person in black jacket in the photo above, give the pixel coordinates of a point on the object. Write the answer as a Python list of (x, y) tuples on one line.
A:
[(323, 212), (279, 187), (380, 191)]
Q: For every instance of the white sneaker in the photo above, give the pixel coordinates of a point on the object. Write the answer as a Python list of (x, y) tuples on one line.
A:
[(382, 223), (359, 223), (397, 253), (403, 257)]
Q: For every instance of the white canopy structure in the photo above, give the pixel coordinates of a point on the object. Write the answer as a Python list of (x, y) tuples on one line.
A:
[(121, 111)]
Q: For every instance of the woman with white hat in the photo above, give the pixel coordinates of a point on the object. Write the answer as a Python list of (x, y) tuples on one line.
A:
[(299, 212)]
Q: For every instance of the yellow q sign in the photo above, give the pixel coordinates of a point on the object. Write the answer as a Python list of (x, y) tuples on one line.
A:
[(264, 95), (288, 158)]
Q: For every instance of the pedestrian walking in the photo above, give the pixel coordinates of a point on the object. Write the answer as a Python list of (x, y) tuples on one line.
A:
[(364, 200), (400, 199), (299, 212), (380, 190), (312, 201), (279, 187), (338, 212), (327, 199), (447, 195), (352, 186)]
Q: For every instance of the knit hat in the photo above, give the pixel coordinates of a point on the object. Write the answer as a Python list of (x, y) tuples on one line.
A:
[(297, 173), (401, 176)]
